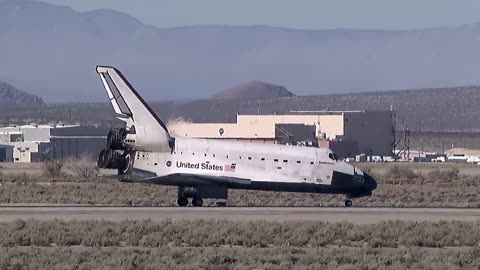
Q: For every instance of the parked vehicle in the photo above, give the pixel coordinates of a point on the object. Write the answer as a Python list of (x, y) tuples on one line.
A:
[(438, 159), (457, 159), (473, 160)]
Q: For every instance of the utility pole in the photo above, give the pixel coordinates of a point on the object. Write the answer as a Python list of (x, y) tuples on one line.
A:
[(394, 130), (443, 137), (420, 139)]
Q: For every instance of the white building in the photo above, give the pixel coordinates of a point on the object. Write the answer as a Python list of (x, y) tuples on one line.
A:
[(26, 140)]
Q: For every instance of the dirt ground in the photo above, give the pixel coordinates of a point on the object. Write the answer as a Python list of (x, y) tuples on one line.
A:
[(399, 185), (353, 215), (423, 168), (35, 169)]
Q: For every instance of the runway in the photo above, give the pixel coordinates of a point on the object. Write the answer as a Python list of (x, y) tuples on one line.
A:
[(332, 214)]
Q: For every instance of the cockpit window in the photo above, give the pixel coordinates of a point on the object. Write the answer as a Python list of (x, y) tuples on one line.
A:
[(332, 156)]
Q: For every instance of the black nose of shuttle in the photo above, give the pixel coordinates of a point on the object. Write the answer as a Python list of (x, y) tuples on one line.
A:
[(370, 182)]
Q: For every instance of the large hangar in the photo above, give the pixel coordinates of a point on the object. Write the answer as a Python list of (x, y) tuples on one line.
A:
[(77, 142), (32, 143), (346, 132)]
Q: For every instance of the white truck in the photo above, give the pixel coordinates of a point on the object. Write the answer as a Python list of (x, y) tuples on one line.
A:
[(438, 159)]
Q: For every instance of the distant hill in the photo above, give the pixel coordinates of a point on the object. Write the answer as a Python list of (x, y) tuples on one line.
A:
[(10, 95), (194, 62), (254, 90), (450, 109)]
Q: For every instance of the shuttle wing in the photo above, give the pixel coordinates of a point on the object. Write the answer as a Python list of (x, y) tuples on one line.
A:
[(185, 179), (217, 179)]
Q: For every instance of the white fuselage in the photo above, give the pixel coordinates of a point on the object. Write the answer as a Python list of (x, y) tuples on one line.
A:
[(254, 161)]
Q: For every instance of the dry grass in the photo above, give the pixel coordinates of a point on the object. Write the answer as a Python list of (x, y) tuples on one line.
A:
[(215, 233), (391, 192), (208, 244), (399, 186), (238, 258), (53, 168), (83, 167)]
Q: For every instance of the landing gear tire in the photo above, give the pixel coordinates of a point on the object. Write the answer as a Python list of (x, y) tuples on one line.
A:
[(197, 202), (348, 203), (182, 201)]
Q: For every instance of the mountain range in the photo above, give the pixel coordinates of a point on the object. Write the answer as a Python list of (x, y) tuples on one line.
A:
[(443, 109), (9, 95), (52, 51), (254, 90)]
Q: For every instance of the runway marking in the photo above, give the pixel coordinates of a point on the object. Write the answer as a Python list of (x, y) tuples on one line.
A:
[(360, 215)]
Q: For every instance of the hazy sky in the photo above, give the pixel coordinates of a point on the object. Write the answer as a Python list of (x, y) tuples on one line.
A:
[(385, 14)]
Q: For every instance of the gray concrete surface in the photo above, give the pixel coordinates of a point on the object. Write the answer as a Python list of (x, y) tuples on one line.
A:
[(340, 214)]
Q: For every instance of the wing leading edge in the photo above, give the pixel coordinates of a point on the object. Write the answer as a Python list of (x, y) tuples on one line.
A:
[(179, 179)]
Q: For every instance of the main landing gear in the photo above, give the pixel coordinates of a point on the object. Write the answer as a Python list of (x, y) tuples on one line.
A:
[(198, 193), (189, 192), (183, 201), (197, 202), (348, 203)]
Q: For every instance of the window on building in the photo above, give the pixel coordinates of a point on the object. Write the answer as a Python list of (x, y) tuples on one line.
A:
[(298, 161), (262, 158), (276, 160), (16, 137), (285, 160), (249, 158)]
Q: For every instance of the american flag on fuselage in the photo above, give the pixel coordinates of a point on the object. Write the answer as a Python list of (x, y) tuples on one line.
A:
[(230, 168)]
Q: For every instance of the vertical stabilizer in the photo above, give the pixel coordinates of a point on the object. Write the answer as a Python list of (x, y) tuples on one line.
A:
[(149, 132)]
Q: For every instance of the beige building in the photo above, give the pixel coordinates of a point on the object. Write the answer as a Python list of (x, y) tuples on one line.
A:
[(348, 133), (462, 152), (25, 140)]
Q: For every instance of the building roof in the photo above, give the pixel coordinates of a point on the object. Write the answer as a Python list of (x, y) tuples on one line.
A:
[(79, 131), (463, 151), (321, 112)]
